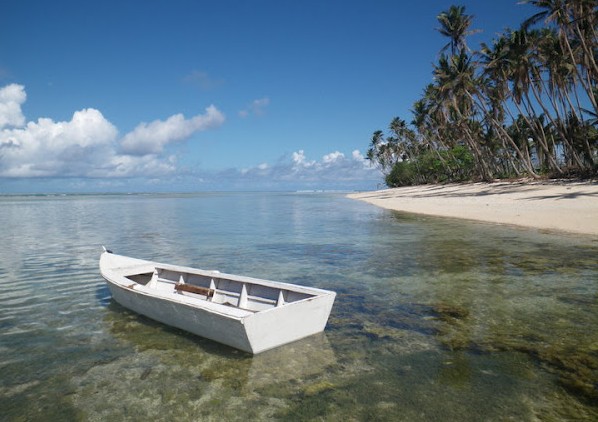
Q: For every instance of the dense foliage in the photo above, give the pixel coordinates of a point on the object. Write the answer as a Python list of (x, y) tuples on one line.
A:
[(525, 105)]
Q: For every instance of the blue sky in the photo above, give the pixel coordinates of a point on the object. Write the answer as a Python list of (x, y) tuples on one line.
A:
[(179, 95)]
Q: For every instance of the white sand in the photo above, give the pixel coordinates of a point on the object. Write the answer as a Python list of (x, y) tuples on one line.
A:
[(562, 206)]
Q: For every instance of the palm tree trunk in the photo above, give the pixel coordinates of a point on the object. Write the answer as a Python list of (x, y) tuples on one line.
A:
[(587, 85), (557, 124), (503, 135), (540, 136), (525, 158)]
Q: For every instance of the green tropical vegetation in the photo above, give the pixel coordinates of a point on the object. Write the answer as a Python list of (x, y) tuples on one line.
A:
[(524, 105)]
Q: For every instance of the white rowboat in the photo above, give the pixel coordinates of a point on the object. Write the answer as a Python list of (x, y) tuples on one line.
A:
[(246, 313)]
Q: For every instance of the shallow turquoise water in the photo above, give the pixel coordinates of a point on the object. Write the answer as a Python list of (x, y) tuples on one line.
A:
[(435, 319)]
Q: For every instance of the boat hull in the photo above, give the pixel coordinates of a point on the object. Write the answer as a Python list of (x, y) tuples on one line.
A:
[(248, 330), (194, 320)]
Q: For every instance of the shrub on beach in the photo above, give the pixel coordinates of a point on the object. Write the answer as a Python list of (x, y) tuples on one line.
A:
[(455, 165)]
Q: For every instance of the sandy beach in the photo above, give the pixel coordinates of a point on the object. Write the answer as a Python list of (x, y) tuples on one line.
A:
[(561, 206)]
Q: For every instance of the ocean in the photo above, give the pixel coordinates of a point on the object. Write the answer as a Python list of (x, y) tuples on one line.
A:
[(435, 319)]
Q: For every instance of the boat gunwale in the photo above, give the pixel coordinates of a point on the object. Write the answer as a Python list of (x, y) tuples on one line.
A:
[(220, 275), (196, 305), (123, 282)]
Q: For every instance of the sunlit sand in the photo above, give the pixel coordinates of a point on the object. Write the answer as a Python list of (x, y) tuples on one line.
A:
[(563, 206)]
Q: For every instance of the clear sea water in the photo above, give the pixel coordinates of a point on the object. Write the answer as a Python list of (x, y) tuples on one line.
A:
[(435, 319)]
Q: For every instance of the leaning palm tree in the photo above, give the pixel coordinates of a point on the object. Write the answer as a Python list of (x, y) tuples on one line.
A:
[(496, 93), (404, 138), (457, 85), (379, 153), (577, 25), (527, 101), (522, 75), (558, 81), (454, 24)]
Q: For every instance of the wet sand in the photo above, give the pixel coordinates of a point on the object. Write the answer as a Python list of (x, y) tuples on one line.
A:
[(561, 206)]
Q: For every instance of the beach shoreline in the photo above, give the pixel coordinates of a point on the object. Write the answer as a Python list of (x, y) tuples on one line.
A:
[(563, 206)]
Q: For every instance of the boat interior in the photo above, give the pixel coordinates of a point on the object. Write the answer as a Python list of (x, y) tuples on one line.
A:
[(225, 291)]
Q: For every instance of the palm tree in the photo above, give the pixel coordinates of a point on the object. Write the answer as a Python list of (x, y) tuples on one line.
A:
[(557, 78), (379, 153), (454, 24), (496, 93), (577, 23), (522, 74), (515, 105), (522, 135), (404, 138), (456, 83), (431, 117)]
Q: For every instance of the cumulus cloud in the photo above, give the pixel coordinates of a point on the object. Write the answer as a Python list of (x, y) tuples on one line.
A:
[(358, 156), (150, 138), (48, 148), (11, 99), (297, 171), (333, 157), (299, 160), (88, 149), (256, 108), (88, 144)]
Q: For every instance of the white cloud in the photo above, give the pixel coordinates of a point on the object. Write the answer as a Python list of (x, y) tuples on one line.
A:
[(48, 148), (299, 160), (150, 138), (333, 157), (358, 156), (88, 150), (87, 145), (334, 171), (11, 98), (131, 166), (256, 108)]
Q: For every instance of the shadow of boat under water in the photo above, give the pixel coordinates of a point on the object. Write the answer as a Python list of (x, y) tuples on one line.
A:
[(301, 359)]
